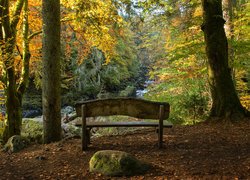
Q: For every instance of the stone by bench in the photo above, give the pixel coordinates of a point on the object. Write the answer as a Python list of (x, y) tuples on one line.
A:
[(138, 108)]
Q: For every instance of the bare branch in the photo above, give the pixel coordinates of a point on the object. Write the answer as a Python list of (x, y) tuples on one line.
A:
[(33, 35), (19, 52)]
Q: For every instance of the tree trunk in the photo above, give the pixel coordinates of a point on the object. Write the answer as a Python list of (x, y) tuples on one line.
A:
[(227, 6), (51, 71), (8, 42), (228, 16), (13, 108), (226, 104)]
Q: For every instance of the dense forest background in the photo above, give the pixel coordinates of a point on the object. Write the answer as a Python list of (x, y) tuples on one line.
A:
[(149, 49)]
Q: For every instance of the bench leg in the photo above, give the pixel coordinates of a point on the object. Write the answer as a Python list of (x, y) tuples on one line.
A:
[(160, 133), (84, 141), (88, 135), (84, 129)]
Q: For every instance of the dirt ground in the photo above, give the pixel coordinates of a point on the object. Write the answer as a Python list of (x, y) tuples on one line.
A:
[(202, 151)]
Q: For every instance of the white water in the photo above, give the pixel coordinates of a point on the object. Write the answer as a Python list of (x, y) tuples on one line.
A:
[(141, 92)]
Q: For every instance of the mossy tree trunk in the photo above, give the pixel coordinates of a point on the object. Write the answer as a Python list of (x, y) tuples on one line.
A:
[(14, 89), (226, 104), (51, 71)]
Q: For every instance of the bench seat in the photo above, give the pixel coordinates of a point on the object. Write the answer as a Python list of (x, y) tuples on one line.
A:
[(125, 124)]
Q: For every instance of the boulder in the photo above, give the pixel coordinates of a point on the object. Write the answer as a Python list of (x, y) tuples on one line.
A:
[(116, 163), (70, 130), (32, 130), (15, 144), (67, 110), (129, 91)]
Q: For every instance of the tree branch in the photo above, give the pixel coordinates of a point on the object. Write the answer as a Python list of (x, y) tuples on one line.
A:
[(26, 53), (19, 52), (16, 14), (34, 34)]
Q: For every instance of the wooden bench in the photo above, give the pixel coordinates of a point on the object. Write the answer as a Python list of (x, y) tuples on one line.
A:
[(133, 107)]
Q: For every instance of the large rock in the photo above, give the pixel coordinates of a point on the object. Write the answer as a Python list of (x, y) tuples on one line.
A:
[(32, 130), (70, 130), (67, 110), (129, 91), (15, 144), (116, 163)]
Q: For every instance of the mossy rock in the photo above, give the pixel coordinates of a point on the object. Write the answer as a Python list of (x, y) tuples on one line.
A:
[(116, 163), (33, 130), (15, 144), (128, 91), (70, 130)]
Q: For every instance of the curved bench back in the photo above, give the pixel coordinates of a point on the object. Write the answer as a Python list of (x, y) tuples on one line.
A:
[(133, 107)]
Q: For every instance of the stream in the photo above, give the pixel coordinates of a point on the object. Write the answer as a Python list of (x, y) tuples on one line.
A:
[(140, 92)]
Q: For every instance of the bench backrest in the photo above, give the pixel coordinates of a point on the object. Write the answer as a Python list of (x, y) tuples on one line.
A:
[(133, 107)]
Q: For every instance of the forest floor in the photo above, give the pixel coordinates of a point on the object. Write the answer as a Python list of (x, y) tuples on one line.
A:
[(201, 151)]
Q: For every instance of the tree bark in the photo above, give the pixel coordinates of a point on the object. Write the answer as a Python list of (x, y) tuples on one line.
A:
[(51, 71), (8, 42), (226, 104), (228, 16), (227, 6)]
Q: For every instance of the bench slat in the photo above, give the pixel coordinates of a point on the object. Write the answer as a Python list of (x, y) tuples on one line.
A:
[(125, 124), (138, 108)]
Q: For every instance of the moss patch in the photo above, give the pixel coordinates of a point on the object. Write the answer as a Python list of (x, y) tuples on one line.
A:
[(116, 163), (15, 144), (32, 130)]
